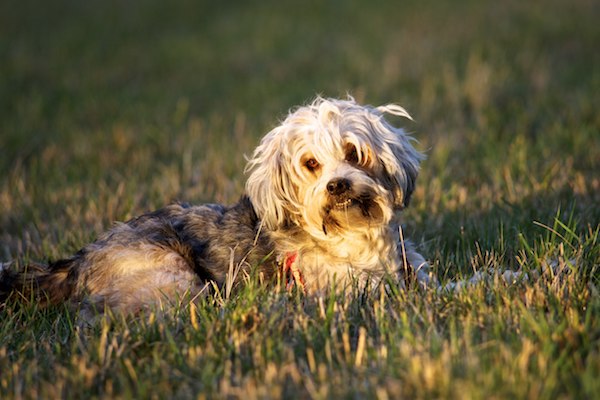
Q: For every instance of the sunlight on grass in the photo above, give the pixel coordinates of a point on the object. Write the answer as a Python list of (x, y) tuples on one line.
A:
[(110, 110)]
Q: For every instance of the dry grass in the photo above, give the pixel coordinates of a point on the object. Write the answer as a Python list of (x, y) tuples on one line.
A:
[(109, 110)]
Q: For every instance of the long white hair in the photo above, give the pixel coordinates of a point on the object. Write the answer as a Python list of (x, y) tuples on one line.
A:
[(324, 126)]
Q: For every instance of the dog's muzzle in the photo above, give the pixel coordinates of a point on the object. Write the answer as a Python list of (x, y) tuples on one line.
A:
[(340, 190), (339, 186), (342, 196)]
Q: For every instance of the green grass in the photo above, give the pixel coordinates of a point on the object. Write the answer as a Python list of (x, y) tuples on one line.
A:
[(109, 109)]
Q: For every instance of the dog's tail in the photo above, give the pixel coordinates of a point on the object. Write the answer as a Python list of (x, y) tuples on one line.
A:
[(41, 283)]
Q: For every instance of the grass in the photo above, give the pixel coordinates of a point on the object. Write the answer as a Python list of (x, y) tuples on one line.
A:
[(109, 109)]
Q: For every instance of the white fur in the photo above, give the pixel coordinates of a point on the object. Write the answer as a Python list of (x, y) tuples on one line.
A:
[(295, 205)]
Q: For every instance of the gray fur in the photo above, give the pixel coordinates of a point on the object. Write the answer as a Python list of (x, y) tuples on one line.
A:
[(198, 243)]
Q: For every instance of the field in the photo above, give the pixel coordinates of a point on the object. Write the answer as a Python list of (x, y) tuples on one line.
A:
[(109, 109)]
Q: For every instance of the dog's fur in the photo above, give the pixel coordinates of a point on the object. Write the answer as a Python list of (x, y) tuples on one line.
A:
[(323, 195)]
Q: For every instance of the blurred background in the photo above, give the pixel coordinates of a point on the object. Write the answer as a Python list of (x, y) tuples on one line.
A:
[(112, 108)]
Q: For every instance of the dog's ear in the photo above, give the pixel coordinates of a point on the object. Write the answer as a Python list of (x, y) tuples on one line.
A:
[(401, 183), (400, 160), (269, 186)]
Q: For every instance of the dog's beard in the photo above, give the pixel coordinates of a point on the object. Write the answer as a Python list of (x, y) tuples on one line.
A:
[(366, 205), (350, 211)]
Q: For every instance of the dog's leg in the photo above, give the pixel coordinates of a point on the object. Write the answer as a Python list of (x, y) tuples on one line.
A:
[(414, 266)]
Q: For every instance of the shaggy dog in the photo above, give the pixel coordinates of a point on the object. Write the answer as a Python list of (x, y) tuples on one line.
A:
[(321, 205)]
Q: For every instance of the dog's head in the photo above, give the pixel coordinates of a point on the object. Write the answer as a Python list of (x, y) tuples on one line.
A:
[(333, 166)]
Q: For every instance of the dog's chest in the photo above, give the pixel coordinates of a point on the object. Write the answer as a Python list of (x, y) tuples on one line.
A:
[(343, 263)]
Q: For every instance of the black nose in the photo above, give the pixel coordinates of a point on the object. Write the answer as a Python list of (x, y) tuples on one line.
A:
[(338, 186)]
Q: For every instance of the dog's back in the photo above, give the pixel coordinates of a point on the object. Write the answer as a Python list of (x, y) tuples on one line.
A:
[(158, 256)]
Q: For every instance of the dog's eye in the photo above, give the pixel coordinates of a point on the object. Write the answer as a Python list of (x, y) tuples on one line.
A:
[(352, 155), (311, 164)]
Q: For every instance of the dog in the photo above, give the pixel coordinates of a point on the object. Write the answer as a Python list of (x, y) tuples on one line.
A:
[(321, 208)]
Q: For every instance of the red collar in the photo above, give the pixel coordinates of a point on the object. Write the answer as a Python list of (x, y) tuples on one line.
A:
[(292, 272)]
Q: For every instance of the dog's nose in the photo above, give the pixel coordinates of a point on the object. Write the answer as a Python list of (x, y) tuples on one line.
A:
[(338, 186)]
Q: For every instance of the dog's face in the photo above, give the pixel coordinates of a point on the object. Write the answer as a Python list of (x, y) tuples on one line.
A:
[(331, 168)]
